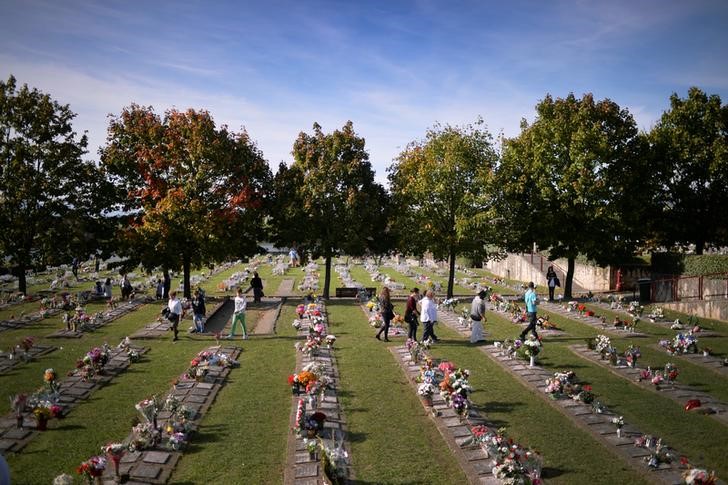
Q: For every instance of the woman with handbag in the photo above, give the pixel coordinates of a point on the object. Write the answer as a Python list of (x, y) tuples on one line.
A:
[(553, 281), (387, 311)]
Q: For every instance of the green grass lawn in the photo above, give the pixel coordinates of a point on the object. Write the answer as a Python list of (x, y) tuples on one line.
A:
[(242, 438)]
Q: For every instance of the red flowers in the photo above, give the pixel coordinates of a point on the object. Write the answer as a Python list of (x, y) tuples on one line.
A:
[(692, 404)]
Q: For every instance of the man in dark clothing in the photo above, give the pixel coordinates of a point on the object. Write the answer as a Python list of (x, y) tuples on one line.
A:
[(411, 315), (198, 311), (257, 285)]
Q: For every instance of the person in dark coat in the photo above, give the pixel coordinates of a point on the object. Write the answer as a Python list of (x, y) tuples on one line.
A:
[(257, 285)]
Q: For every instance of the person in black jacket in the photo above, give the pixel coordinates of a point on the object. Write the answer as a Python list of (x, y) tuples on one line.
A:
[(387, 311), (198, 311), (553, 281), (257, 285)]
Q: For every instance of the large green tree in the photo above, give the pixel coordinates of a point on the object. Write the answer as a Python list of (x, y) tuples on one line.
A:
[(440, 191), (50, 199), (193, 193), (576, 181), (327, 201), (690, 150)]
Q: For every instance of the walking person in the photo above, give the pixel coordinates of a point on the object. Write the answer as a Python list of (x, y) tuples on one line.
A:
[(160, 289), (553, 281), (198, 311), (257, 285), (175, 313), (239, 314), (411, 315), (386, 309), (531, 300), (477, 315), (74, 267), (428, 316), (107, 288)]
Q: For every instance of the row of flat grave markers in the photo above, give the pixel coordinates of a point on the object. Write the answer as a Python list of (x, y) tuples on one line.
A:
[(108, 316), (156, 465), (73, 390), (7, 363), (663, 322), (599, 425), (591, 321), (710, 362), (304, 468), (679, 393), (12, 324), (161, 327), (473, 460)]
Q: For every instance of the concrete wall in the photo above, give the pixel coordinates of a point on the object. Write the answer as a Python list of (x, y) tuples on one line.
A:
[(715, 309), (586, 277)]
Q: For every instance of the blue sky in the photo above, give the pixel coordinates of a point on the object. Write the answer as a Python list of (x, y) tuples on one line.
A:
[(392, 67)]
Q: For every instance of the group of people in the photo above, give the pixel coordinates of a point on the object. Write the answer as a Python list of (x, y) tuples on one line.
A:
[(424, 310)]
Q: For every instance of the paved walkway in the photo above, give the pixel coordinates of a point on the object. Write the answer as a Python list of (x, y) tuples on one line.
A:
[(598, 425), (161, 328), (72, 391), (269, 311), (285, 289)]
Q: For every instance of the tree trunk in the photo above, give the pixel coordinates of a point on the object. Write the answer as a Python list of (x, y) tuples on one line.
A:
[(451, 274), (327, 277), (22, 283), (186, 270), (167, 283), (569, 278)]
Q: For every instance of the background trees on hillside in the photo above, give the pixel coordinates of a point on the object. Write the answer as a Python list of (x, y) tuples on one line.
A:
[(576, 181), (51, 200), (440, 193), (690, 155), (327, 201), (192, 193)]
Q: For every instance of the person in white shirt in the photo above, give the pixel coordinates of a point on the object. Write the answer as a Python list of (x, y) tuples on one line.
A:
[(175, 312), (239, 314), (428, 316), (477, 315)]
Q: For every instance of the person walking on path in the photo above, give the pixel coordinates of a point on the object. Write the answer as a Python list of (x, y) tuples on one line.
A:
[(175, 313), (386, 309), (160, 289), (257, 285), (198, 311), (107, 288), (411, 315), (477, 315), (553, 281), (428, 316), (531, 300), (239, 315)]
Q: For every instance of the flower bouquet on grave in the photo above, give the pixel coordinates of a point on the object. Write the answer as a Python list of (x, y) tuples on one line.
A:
[(143, 436), (50, 378), (314, 423), (125, 344), (297, 323), (670, 372), (657, 313), (699, 476), (635, 309), (618, 421), (375, 320), (176, 440), (582, 393), (149, 409), (426, 390), (415, 350), (530, 349), (115, 452), (631, 325), (555, 385), (334, 460), (631, 355), (17, 404), (330, 339), (92, 468)]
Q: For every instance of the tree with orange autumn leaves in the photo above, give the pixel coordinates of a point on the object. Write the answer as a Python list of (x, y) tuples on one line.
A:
[(193, 194)]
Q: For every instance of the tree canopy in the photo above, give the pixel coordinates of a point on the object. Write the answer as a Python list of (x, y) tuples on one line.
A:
[(690, 154), (193, 193), (576, 181), (440, 193), (50, 198), (327, 201)]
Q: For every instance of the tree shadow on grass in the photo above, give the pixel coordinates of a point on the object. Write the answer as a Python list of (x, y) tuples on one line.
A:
[(500, 407), (548, 472), (210, 434), (356, 437)]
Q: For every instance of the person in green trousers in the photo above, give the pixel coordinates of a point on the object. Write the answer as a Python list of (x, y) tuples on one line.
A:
[(239, 315)]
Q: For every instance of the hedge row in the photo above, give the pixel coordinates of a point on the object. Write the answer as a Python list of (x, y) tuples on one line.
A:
[(689, 264)]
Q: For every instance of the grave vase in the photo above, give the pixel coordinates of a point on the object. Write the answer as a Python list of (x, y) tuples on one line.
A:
[(532, 361)]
